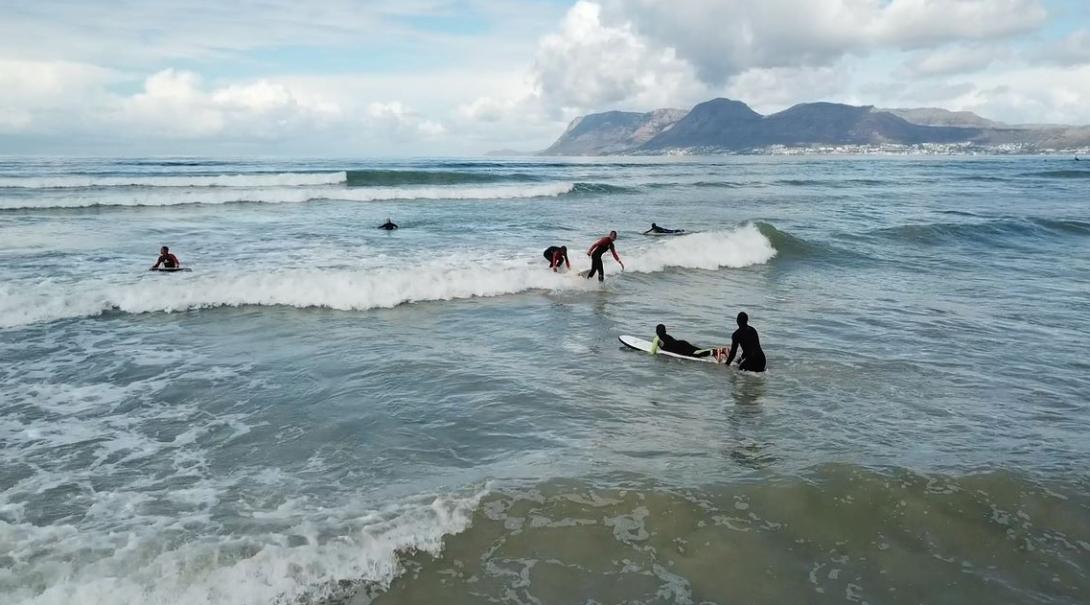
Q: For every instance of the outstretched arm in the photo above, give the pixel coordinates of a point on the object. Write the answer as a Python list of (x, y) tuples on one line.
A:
[(733, 349), (615, 257)]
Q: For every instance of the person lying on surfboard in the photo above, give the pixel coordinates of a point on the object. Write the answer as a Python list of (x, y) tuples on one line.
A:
[(557, 255), (388, 225), (656, 229), (595, 253), (167, 260), (668, 343)]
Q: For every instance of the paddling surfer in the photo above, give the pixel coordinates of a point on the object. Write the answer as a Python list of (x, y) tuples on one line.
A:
[(167, 260)]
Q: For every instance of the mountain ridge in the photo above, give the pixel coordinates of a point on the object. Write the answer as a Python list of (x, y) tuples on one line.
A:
[(724, 125)]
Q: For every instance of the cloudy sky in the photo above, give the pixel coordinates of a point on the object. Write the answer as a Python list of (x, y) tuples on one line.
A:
[(440, 77)]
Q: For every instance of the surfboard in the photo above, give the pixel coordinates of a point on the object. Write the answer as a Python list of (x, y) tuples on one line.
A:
[(645, 345), (678, 232), (175, 270)]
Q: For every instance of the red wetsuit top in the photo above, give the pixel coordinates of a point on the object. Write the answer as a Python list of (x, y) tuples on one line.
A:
[(558, 259), (600, 247)]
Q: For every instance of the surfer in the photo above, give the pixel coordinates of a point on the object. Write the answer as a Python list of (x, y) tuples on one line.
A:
[(388, 225), (595, 253), (167, 260), (557, 255), (752, 358), (679, 347), (656, 229)]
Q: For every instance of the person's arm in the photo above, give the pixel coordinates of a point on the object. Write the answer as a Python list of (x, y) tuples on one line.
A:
[(733, 348), (567, 262), (394, 225), (615, 257), (649, 231), (554, 263), (157, 263)]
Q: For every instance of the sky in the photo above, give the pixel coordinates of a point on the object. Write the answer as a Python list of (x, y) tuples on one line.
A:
[(462, 77)]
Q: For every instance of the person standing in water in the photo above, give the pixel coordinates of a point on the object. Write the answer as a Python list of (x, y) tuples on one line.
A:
[(596, 251), (388, 225), (167, 260), (557, 255), (752, 358)]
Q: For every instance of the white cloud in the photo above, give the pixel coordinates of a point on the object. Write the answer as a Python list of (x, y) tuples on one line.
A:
[(956, 59), (1072, 49)]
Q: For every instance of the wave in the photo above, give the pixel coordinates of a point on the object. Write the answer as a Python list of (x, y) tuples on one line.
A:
[(295, 195), (356, 290), (252, 179), (987, 231), (791, 246), (343, 550), (1059, 174), (387, 178)]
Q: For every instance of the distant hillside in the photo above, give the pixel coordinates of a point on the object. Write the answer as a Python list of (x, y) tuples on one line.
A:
[(613, 132), (725, 125)]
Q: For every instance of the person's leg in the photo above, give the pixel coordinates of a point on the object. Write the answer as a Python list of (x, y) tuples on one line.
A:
[(601, 269)]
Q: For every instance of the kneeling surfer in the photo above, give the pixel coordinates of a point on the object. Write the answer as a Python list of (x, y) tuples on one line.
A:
[(388, 225), (167, 260), (678, 347), (595, 253), (752, 358), (557, 255)]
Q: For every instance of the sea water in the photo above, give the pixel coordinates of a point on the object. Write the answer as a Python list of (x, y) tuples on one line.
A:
[(324, 412)]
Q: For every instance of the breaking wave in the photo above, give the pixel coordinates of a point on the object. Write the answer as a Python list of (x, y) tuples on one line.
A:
[(351, 290), (255, 179), (285, 195)]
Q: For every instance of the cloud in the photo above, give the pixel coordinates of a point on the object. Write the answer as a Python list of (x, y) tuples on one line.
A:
[(1073, 49), (722, 38), (950, 60)]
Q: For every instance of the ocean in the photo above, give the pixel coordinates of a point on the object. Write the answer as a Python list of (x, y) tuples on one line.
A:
[(325, 413)]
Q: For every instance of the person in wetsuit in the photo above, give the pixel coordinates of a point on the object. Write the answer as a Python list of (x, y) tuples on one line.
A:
[(752, 358), (595, 253), (167, 260), (388, 225), (656, 229), (678, 347), (557, 255)]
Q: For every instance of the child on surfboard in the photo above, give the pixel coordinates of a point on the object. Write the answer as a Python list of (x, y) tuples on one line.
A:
[(167, 260)]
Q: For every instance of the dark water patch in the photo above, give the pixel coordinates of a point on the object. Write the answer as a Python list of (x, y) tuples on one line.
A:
[(839, 533), (982, 178), (1059, 174), (393, 178)]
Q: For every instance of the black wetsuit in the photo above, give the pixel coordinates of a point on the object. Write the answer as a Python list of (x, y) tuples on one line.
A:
[(752, 358), (681, 347), (388, 226)]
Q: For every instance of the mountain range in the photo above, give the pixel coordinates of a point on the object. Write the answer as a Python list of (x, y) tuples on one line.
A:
[(729, 126)]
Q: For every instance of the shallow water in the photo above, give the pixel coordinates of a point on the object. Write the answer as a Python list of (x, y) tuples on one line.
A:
[(320, 407)]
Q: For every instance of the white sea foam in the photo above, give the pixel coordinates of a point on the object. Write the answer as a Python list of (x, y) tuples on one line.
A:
[(259, 179), (139, 567), (280, 195), (438, 280)]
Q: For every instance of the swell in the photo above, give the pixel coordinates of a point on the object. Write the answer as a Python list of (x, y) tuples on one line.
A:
[(1059, 174), (986, 232), (355, 290), (389, 178), (250, 179), (295, 195), (790, 246)]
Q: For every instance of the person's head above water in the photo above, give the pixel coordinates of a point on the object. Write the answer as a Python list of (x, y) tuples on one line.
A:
[(388, 220), (743, 319), (612, 235), (564, 249), (164, 250), (660, 330), (653, 225)]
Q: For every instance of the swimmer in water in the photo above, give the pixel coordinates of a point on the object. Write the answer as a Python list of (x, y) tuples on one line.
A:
[(388, 225), (167, 260)]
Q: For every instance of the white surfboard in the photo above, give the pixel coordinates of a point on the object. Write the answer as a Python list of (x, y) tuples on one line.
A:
[(645, 345)]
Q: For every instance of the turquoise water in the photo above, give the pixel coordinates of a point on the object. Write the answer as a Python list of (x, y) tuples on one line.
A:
[(323, 412)]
